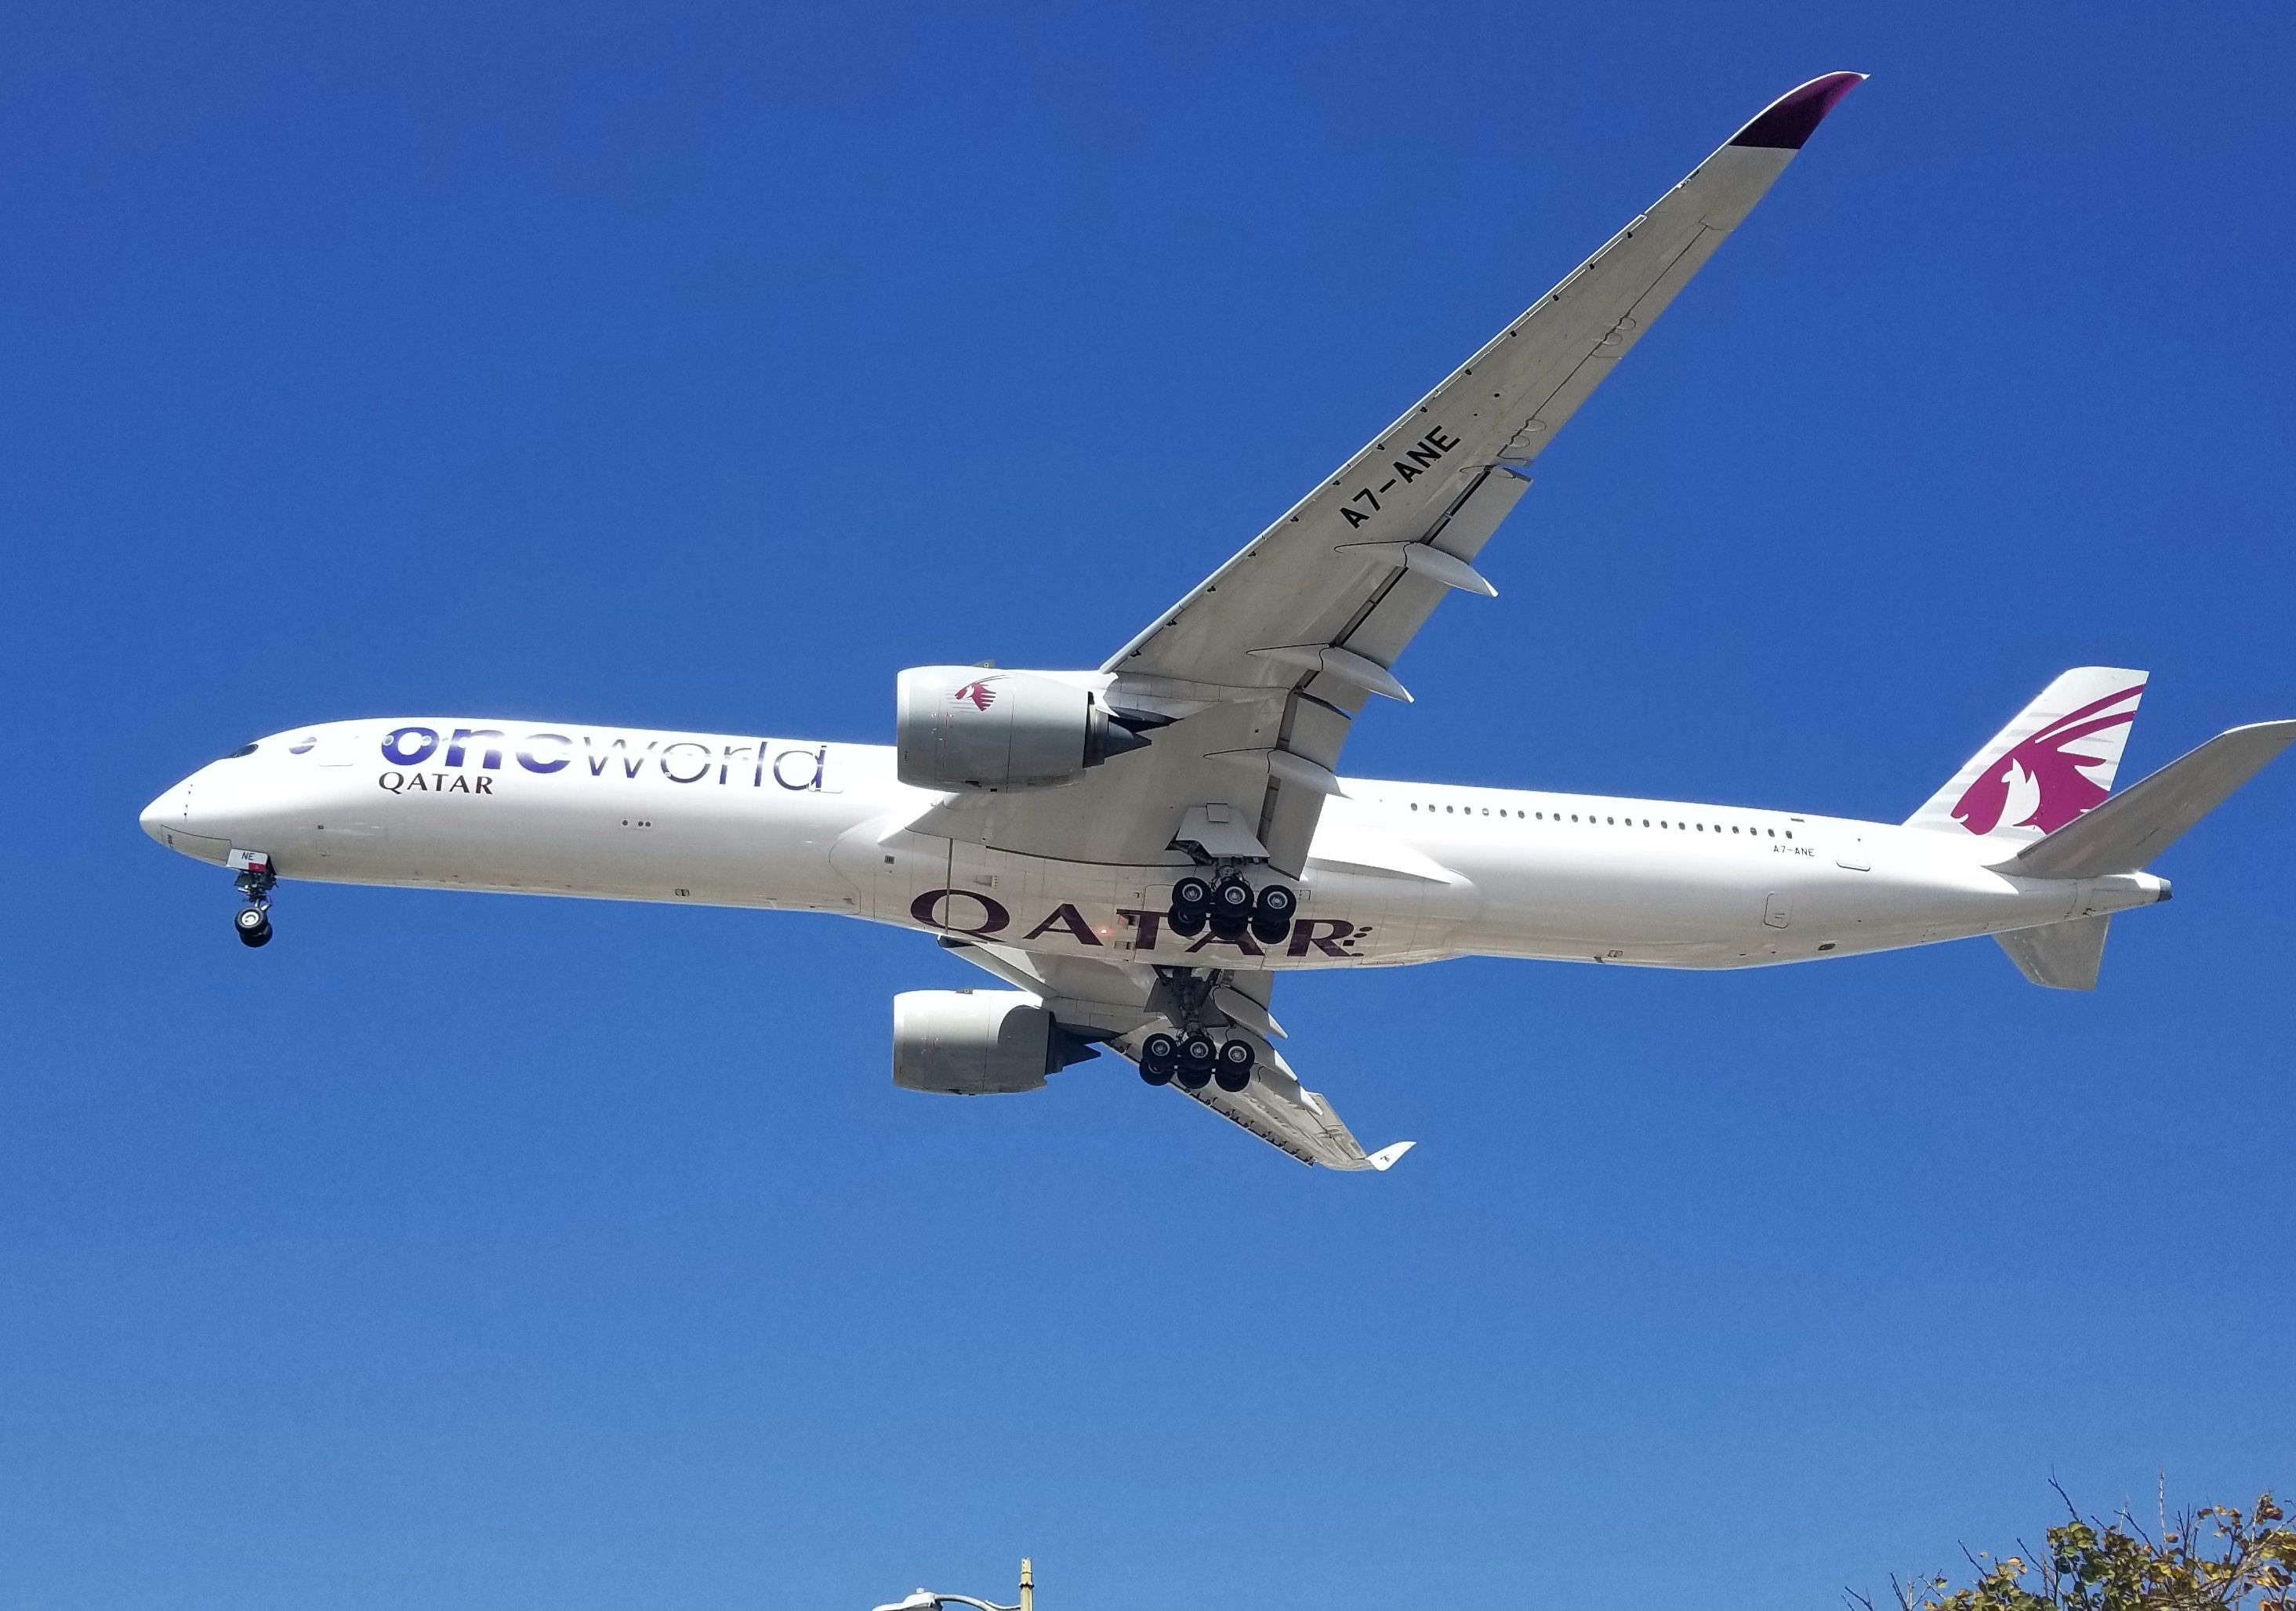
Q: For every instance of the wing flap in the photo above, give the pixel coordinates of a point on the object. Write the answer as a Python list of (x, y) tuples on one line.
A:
[(1116, 1001), (1288, 1116)]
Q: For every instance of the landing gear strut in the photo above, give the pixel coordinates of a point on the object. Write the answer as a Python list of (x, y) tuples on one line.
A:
[(252, 922)]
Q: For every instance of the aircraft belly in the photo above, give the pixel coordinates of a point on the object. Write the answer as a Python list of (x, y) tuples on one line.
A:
[(1713, 907), (1116, 912)]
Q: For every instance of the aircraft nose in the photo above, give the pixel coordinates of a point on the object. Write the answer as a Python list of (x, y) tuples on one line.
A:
[(164, 813)]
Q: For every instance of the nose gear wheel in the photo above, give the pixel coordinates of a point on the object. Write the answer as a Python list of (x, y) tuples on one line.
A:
[(252, 922)]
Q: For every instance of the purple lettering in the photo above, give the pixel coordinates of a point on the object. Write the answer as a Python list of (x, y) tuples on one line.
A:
[(1066, 916), (932, 909), (1304, 933)]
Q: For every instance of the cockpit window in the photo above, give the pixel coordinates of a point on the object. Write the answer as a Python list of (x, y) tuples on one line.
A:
[(245, 748)]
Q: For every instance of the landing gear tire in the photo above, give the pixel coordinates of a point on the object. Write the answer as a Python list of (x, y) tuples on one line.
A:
[(1272, 913), (1230, 913), (1199, 1057), (253, 924), (1191, 899), (1236, 1060), (1159, 1058)]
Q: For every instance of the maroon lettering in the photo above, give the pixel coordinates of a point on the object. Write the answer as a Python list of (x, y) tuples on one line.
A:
[(1149, 924), (932, 909), (1325, 934), (1066, 916)]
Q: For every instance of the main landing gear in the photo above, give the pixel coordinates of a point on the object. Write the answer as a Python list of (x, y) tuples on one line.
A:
[(253, 921), (1195, 1060), (1189, 1055), (1230, 908)]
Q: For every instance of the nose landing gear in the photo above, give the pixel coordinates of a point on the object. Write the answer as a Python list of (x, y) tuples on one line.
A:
[(252, 922)]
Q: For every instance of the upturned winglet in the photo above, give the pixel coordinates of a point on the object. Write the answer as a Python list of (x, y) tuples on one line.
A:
[(1787, 123)]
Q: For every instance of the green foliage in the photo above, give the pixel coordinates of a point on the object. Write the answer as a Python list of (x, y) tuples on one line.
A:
[(2244, 1563)]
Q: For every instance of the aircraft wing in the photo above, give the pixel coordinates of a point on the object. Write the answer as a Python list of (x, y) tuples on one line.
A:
[(1265, 665), (1116, 1002)]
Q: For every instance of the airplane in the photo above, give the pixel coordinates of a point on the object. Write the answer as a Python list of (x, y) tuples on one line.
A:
[(1135, 854)]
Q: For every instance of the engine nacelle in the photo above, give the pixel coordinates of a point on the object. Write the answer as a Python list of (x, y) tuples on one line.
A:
[(977, 1043), (963, 728)]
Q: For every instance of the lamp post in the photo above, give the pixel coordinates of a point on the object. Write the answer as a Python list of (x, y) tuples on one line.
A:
[(925, 1599)]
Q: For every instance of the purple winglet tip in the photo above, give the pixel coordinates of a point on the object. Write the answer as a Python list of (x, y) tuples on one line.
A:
[(1786, 122)]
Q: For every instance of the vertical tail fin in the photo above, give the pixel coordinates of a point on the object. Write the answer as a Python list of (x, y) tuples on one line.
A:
[(2054, 761)]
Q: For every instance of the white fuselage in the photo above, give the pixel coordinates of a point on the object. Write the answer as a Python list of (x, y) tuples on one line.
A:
[(1400, 872)]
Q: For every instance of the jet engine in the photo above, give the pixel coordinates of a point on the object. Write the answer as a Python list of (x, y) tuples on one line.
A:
[(978, 1043), (963, 728)]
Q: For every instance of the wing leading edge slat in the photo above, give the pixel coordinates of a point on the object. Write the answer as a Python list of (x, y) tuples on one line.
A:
[(1444, 475)]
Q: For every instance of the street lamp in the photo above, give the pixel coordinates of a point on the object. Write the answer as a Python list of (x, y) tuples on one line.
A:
[(925, 1599)]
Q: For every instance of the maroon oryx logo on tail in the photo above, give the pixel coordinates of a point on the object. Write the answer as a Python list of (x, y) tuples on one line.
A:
[(979, 695), (2041, 782)]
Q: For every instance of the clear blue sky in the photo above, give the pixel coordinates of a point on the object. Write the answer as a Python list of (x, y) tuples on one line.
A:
[(703, 368)]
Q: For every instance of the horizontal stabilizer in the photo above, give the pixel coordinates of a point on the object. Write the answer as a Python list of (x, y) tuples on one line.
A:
[(2124, 834), (2061, 956)]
